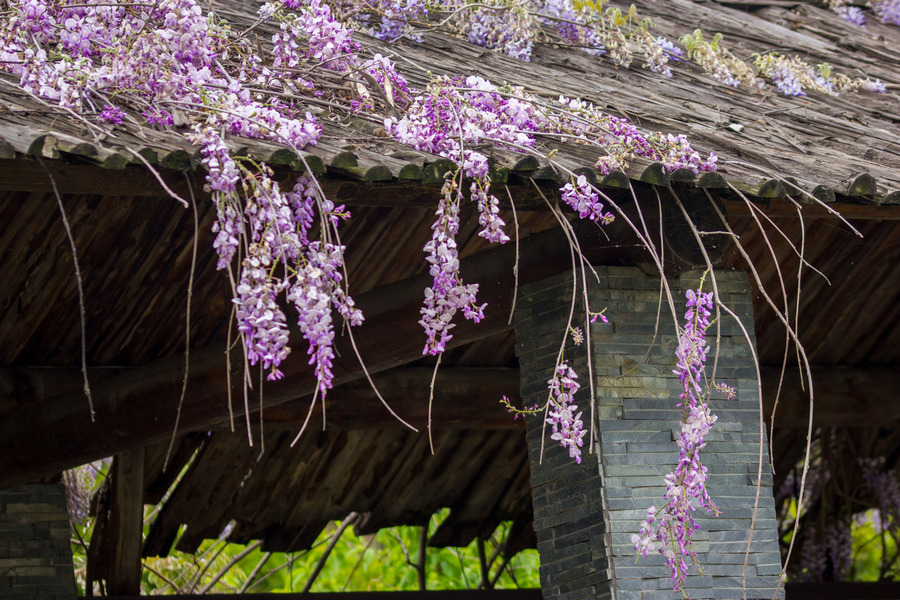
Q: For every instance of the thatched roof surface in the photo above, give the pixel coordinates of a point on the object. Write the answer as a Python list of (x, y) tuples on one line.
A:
[(844, 145)]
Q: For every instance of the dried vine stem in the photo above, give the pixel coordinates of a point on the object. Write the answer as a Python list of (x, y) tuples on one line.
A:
[(512, 309), (187, 329), (721, 305), (434, 372), (82, 313), (562, 346), (805, 367)]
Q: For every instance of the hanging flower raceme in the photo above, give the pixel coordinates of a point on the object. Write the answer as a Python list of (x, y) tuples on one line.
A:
[(563, 415), (584, 200), (447, 293), (447, 120), (670, 530), (455, 116)]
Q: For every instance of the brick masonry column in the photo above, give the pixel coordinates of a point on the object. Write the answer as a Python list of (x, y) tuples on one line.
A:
[(35, 555), (584, 515)]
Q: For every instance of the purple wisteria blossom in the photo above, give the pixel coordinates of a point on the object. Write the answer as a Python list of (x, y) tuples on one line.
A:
[(827, 555), (261, 321), (566, 425), (510, 31), (622, 140), (112, 114), (396, 16), (854, 14), (453, 117), (222, 179), (185, 72), (572, 25), (670, 529), (447, 293), (884, 487), (584, 200), (314, 290), (887, 10)]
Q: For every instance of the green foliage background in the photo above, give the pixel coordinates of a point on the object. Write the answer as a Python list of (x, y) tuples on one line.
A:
[(384, 561)]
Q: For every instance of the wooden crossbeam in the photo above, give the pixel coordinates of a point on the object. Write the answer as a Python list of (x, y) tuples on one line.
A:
[(778, 208), (139, 407), (459, 393), (844, 397)]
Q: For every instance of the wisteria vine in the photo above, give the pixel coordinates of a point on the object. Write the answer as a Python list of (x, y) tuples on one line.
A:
[(670, 529)]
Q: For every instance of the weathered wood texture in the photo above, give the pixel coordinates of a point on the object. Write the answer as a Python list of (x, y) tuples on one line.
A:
[(387, 339), (824, 143), (127, 523), (114, 554), (843, 397), (286, 494)]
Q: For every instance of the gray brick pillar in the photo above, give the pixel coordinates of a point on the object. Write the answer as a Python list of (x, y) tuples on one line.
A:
[(35, 554), (584, 515)]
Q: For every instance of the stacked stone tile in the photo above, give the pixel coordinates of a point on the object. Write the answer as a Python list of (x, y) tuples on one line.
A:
[(585, 514), (35, 555)]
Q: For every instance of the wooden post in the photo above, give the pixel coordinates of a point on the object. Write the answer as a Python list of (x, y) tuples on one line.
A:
[(126, 523)]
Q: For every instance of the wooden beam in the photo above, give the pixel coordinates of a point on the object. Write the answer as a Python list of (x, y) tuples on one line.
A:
[(137, 181), (778, 208), (114, 554), (459, 393), (139, 407), (844, 397), (519, 594)]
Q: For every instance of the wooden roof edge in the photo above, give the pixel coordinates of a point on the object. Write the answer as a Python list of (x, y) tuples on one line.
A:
[(71, 162)]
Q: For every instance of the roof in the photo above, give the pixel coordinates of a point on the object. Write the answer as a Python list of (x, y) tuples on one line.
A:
[(833, 141), (135, 252)]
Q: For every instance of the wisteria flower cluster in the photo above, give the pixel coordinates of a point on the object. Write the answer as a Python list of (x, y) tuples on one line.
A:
[(454, 117), (585, 201), (281, 259), (515, 26), (884, 487), (669, 530), (388, 20), (717, 61), (888, 11), (77, 55), (563, 415), (447, 293), (829, 552), (854, 14), (165, 61), (621, 141), (792, 75), (173, 66), (504, 25)]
